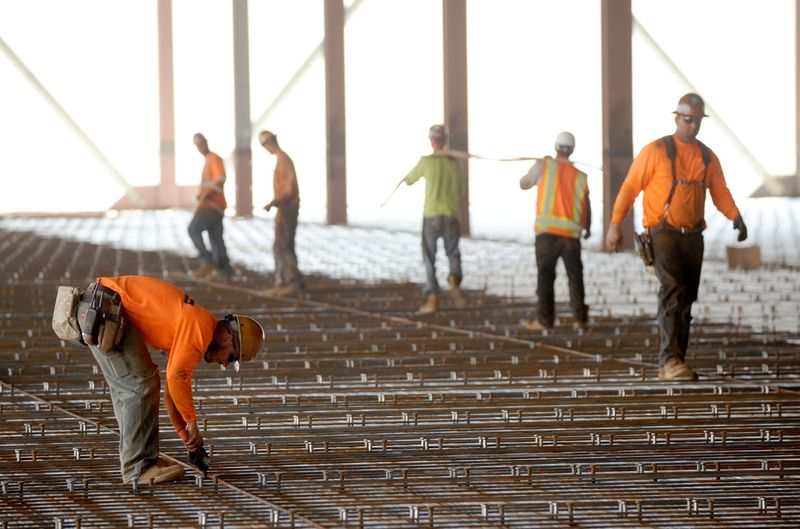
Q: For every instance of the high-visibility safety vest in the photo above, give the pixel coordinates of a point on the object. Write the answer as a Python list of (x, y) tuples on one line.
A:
[(561, 200)]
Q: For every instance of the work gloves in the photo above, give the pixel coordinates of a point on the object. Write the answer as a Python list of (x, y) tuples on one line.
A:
[(270, 205), (199, 458), (738, 224)]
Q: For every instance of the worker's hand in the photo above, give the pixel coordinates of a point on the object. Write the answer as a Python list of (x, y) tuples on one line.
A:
[(199, 458), (614, 237), (587, 233), (195, 438), (738, 224), (269, 206)]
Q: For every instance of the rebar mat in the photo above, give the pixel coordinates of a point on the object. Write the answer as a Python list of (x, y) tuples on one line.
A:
[(365, 414)]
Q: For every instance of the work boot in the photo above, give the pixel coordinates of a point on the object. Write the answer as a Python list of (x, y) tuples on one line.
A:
[(676, 370), (431, 304), (159, 474), (202, 271), (459, 299), (284, 291), (578, 325), (534, 325)]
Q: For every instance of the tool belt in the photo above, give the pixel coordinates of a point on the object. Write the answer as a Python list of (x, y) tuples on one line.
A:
[(644, 247), (683, 231), (102, 318)]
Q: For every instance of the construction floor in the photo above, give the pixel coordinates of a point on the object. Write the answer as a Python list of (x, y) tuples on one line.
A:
[(363, 413)]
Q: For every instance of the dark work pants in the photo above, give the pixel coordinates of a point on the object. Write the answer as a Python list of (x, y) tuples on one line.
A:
[(210, 220), (286, 270), (678, 262), (548, 250), (448, 229)]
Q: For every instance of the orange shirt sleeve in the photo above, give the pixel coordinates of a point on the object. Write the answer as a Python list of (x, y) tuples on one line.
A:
[(635, 181), (720, 194), (188, 347)]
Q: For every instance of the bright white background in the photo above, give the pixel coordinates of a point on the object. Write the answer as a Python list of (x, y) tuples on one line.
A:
[(534, 70)]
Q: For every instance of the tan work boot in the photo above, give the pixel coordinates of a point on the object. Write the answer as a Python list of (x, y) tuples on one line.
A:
[(459, 299), (159, 474), (202, 271), (676, 370), (289, 290), (431, 304), (534, 325)]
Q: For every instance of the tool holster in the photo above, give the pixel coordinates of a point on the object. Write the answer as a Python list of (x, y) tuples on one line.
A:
[(102, 321)]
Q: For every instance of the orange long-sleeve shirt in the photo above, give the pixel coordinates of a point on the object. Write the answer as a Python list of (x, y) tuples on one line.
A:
[(168, 319), (212, 182), (651, 171), (284, 180)]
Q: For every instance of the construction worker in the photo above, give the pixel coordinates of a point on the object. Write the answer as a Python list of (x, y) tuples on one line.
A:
[(675, 172), (208, 216), (164, 317), (563, 212), (286, 197), (444, 185)]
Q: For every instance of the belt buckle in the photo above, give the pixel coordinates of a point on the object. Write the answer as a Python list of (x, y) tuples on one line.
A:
[(683, 230)]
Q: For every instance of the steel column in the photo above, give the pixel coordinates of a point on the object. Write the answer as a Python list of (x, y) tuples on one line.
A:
[(617, 108), (167, 191), (241, 73), (335, 112), (456, 104)]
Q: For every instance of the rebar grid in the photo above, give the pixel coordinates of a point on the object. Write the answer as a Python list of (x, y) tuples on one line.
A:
[(363, 414)]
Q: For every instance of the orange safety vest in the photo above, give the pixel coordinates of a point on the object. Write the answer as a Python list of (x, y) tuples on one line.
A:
[(561, 200)]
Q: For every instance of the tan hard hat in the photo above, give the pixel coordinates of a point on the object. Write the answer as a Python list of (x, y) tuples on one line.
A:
[(248, 336), (691, 105)]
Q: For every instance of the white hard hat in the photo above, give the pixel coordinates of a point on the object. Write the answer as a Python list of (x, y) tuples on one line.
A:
[(565, 139)]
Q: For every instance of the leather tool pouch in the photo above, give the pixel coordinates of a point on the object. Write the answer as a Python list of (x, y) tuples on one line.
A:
[(103, 322), (644, 246), (65, 313)]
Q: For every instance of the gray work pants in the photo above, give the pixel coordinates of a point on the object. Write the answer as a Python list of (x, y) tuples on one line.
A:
[(135, 388), (286, 271), (448, 229)]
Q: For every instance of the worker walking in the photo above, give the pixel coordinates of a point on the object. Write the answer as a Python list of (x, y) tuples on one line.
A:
[(444, 185), (563, 212), (208, 216), (146, 311), (675, 172), (286, 198)]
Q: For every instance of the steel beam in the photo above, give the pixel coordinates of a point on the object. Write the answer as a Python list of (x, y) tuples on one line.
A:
[(241, 79), (167, 192), (456, 104), (335, 112), (617, 107)]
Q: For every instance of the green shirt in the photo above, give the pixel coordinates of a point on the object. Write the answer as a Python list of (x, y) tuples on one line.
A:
[(444, 184)]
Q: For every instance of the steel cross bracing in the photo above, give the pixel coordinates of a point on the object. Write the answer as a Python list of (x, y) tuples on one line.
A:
[(363, 414)]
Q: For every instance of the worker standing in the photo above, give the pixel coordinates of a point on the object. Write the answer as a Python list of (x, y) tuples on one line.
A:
[(563, 212), (286, 198), (163, 316), (444, 185), (675, 172), (208, 216)]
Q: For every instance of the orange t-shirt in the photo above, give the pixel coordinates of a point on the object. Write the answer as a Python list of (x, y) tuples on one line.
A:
[(212, 182), (651, 171), (284, 180), (168, 319)]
